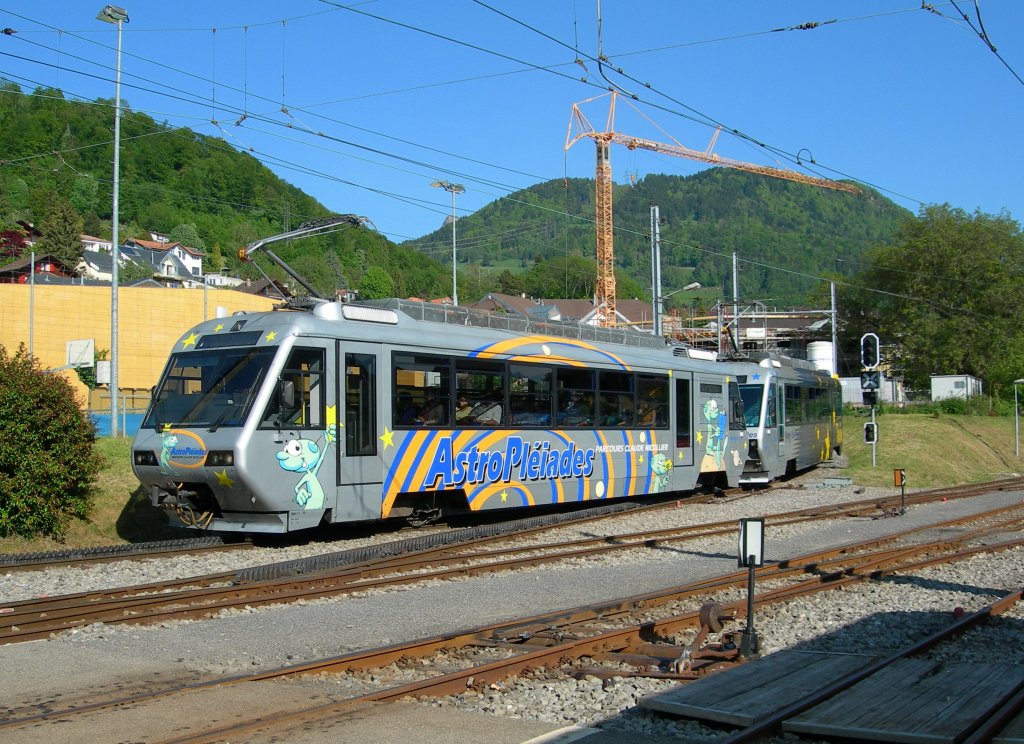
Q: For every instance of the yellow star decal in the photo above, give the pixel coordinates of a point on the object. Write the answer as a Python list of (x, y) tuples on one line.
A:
[(388, 437), (641, 459), (190, 340), (167, 427), (271, 336), (218, 327), (224, 479), (681, 455), (332, 415), (700, 437), (504, 496), (670, 373)]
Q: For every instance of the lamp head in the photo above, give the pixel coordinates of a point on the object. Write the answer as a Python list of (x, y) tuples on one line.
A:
[(454, 188), (113, 14)]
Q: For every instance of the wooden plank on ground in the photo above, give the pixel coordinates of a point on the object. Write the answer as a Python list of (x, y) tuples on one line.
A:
[(748, 693), (913, 700), (1013, 733)]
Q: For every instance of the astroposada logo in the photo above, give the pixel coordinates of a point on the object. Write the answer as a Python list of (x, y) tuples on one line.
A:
[(520, 460)]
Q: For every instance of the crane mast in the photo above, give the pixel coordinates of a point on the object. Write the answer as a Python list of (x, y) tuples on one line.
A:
[(580, 127)]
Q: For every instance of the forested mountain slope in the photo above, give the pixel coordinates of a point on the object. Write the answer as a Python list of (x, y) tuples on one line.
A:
[(57, 151), (799, 229)]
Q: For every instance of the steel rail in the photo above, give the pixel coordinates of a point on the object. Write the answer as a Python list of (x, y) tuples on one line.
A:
[(614, 640), (30, 621)]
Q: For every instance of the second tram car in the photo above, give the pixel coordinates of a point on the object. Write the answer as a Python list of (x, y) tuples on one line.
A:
[(793, 414), (279, 421)]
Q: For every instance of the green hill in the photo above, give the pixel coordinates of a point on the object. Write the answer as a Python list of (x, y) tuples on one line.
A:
[(802, 229), (539, 240), (55, 148)]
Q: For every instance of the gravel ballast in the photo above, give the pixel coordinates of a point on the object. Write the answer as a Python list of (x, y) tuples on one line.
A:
[(873, 617)]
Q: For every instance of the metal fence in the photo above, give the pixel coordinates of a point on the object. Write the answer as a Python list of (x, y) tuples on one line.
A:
[(129, 421)]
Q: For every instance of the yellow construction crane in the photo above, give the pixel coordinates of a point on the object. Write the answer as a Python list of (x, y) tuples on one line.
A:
[(580, 127)]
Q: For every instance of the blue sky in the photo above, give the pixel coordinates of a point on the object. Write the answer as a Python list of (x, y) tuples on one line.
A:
[(382, 98)]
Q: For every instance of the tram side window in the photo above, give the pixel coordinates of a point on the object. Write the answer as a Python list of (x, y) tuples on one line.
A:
[(299, 400), (530, 394), (422, 390), (616, 406), (360, 405), (479, 393), (800, 406), (575, 399), (683, 424), (652, 409)]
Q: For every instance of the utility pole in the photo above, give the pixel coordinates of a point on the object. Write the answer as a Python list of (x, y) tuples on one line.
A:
[(736, 301), (658, 307), (835, 333)]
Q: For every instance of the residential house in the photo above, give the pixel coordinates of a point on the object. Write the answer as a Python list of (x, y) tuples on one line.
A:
[(628, 312), (46, 267), (172, 263), (93, 244), (266, 288)]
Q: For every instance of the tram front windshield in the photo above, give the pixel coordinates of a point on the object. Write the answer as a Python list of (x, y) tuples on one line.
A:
[(213, 388), (751, 395)]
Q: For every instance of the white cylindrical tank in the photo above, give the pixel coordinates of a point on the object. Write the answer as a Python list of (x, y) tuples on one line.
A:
[(819, 353)]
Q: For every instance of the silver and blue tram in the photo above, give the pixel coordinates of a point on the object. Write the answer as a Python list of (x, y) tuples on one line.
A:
[(338, 412), (793, 415)]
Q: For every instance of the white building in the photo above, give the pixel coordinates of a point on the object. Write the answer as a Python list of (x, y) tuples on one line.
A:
[(890, 390), (955, 386)]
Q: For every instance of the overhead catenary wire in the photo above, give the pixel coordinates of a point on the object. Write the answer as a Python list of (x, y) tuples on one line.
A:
[(243, 110)]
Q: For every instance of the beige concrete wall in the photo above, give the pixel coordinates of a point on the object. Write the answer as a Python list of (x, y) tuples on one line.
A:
[(150, 322)]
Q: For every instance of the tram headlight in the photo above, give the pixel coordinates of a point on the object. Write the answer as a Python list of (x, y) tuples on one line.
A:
[(144, 457), (220, 458)]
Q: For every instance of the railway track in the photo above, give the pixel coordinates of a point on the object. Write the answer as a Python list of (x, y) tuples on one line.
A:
[(638, 630), (204, 596)]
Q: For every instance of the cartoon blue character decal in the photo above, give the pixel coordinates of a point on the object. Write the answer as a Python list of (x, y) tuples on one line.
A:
[(714, 447), (306, 456), (168, 442), (661, 467)]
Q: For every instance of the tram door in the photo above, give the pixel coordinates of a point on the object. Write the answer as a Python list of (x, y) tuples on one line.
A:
[(684, 421), (780, 412), (360, 467)]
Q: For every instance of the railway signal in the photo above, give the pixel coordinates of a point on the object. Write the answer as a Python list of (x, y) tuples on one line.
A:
[(751, 555), (869, 351), (870, 433)]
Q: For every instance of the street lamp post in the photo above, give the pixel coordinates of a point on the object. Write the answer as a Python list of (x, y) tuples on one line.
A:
[(453, 189), (1016, 420), (119, 17)]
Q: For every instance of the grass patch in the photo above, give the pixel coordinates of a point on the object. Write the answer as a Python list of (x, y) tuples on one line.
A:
[(121, 512), (935, 450)]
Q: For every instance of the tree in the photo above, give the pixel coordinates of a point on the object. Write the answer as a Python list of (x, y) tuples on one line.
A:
[(13, 243), (62, 232), (187, 234), (47, 460), (944, 298), (376, 284), (509, 283)]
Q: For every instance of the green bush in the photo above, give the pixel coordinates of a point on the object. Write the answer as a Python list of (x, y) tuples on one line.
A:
[(953, 406), (47, 460)]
